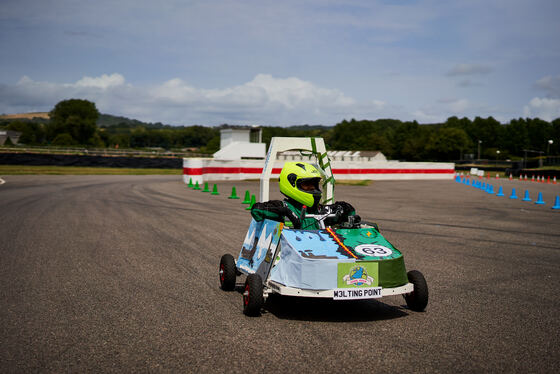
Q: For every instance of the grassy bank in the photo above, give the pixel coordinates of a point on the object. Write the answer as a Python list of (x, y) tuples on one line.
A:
[(81, 170)]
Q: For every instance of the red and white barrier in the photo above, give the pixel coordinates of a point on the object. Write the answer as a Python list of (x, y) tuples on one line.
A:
[(208, 169)]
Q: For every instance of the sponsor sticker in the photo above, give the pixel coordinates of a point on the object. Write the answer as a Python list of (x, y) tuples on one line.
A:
[(357, 275)]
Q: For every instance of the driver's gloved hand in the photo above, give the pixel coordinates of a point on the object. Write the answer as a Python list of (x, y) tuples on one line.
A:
[(325, 209), (274, 206), (342, 210), (346, 208), (275, 210)]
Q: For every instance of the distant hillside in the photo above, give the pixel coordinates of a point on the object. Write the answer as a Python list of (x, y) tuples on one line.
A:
[(310, 127), (27, 116), (104, 120), (108, 120)]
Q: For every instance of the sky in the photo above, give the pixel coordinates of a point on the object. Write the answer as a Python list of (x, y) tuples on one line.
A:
[(283, 63)]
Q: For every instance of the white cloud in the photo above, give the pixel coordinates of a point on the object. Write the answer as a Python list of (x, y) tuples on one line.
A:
[(447, 107), (469, 69), (105, 81), (550, 85), (424, 117), (378, 104), (469, 83), (265, 100), (458, 106), (543, 108), (454, 106)]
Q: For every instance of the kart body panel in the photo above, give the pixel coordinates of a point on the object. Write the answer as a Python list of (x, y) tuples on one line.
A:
[(316, 263)]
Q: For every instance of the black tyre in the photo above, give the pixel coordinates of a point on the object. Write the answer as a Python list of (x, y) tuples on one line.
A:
[(417, 300), (228, 272), (253, 298)]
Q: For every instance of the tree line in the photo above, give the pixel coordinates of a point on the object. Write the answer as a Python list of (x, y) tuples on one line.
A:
[(77, 123)]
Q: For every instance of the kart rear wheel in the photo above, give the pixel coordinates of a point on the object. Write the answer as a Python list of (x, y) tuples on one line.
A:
[(253, 298), (227, 272), (417, 300)]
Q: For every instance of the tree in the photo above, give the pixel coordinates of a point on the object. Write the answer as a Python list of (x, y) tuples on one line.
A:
[(539, 132), (402, 139), (64, 139), (32, 133), (516, 136), (448, 143), (74, 117), (555, 136), (212, 146), (486, 129), (363, 135)]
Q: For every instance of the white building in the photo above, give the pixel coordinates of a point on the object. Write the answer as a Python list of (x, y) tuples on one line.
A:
[(237, 143), (13, 135)]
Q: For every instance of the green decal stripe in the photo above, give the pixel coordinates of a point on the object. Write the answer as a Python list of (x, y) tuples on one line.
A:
[(327, 180)]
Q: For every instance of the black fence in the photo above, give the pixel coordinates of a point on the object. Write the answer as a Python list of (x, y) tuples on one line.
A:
[(35, 159)]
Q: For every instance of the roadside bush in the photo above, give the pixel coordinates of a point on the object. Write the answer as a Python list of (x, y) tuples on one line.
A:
[(64, 139)]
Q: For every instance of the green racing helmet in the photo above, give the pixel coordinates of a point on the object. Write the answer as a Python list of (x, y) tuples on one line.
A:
[(292, 176)]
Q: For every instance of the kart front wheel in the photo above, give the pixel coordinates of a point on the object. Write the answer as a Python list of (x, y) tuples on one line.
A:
[(417, 300), (253, 298), (227, 272)]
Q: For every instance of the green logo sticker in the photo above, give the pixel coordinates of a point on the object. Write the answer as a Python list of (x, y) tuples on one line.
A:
[(357, 275)]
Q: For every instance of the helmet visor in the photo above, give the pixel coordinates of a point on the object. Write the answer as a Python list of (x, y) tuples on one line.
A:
[(310, 185)]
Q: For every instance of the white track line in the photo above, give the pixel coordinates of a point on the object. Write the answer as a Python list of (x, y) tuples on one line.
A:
[(2, 181)]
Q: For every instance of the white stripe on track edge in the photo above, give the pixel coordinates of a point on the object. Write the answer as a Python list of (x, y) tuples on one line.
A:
[(2, 181)]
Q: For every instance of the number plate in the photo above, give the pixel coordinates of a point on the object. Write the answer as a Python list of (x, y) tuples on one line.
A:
[(357, 293)]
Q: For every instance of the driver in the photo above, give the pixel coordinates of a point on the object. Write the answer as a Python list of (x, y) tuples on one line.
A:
[(299, 182)]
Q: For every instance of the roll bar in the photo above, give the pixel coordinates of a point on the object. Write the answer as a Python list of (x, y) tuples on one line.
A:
[(316, 146)]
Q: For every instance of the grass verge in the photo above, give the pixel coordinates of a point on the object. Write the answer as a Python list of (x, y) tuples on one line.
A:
[(349, 182), (555, 168), (81, 170)]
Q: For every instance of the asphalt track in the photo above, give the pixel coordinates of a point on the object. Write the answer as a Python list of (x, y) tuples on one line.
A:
[(119, 274)]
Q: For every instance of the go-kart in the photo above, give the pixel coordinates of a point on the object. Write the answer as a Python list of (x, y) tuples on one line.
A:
[(348, 261)]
